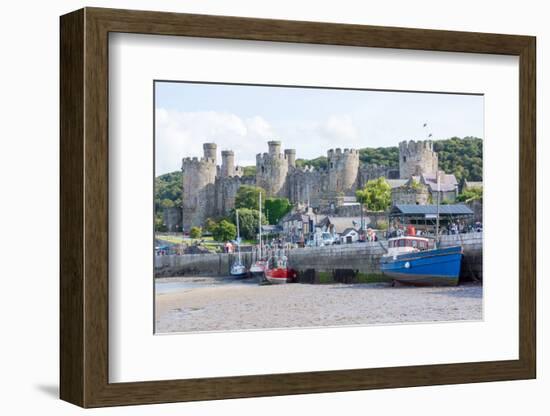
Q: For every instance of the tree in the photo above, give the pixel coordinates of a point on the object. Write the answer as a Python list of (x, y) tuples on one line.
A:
[(167, 203), (249, 171), (248, 222), (319, 163), (224, 231), (276, 208), (159, 222), (168, 186), (195, 232), (469, 195), (461, 156), (376, 195), (381, 156), (210, 225), (247, 197), (415, 185)]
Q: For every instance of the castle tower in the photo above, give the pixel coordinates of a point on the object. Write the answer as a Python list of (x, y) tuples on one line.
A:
[(274, 147), (199, 177), (343, 170), (416, 158), (290, 156), (271, 170), (210, 151), (228, 163)]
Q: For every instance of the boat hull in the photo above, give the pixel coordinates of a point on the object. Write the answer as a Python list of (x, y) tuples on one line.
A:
[(279, 276), (257, 269), (238, 272), (239, 275), (436, 267), (277, 280)]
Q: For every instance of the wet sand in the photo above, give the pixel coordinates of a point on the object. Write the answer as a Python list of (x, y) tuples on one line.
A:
[(210, 304)]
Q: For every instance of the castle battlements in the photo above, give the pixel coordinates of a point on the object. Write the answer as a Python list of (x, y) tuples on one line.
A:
[(196, 162), (412, 146), (338, 152), (416, 157), (264, 157)]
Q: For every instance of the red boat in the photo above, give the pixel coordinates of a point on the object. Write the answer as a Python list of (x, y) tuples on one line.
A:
[(277, 271)]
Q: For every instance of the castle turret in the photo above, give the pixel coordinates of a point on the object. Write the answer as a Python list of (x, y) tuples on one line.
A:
[(210, 151), (274, 147), (199, 177), (228, 163), (417, 158), (343, 170), (290, 155), (271, 170)]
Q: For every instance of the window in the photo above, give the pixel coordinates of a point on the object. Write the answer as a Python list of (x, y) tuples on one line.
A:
[(404, 158)]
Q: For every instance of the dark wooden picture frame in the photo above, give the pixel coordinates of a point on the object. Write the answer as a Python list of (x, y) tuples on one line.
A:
[(84, 207)]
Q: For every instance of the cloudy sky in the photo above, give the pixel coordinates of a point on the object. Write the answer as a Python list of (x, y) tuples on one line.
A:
[(310, 120)]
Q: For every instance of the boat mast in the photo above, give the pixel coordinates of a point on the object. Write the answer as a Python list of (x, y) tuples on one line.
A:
[(260, 222), (437, 214), (238, 235)]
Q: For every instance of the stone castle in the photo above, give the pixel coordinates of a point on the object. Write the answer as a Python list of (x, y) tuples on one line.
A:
[(209, 190)]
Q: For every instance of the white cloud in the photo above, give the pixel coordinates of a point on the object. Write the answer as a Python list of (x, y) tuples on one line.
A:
[(314, 138), (339, 128), (181, 134)]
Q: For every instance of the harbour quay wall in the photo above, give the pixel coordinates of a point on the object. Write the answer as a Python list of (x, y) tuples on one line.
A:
[(208, 264), (346, 263), (472, 261), (362, 257)]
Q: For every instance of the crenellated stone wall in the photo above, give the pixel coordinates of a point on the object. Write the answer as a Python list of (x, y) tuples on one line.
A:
[(272, 169), (417, 157), (199, 177), (209, 190), (343, 170), (307, 184)]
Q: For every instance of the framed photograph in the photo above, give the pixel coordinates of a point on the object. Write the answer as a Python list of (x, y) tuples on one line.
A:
[(254, 207)]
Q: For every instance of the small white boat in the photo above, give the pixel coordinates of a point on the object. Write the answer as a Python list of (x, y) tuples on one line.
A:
[(238, 269), (259, 266)]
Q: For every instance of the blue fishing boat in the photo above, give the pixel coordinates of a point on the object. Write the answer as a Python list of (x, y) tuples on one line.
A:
[(410, 260)]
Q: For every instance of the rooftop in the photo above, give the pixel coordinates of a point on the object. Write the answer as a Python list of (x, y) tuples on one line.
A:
[(341, 223), (448, 181), (348, 230), (396, 183), (451, 209)]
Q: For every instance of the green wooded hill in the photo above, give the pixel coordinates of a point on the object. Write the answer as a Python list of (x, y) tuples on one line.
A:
[(168, 190), (461, 156)]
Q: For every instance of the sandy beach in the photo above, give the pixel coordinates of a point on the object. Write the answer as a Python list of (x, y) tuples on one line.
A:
[(209, 304)]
